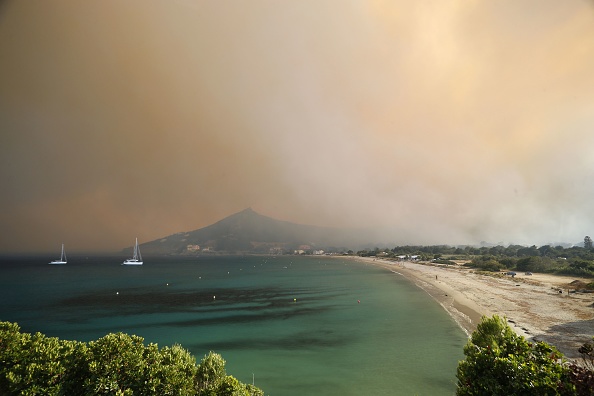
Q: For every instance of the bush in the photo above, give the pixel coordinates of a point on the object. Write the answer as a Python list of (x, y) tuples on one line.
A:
[(500, 362), (212, 379), (116, 364), (583, 380), (36, 364), (486, 263), (583, 376), (444, 261)]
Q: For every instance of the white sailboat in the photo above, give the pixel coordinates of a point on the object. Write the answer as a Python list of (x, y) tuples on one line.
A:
[(62, 259), (136, 257)]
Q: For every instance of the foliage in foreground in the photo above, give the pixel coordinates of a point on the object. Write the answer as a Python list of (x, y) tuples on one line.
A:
[(116, 364), (500, 362), (583, 376)]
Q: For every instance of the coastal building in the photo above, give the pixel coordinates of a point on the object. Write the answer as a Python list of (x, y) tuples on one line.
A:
[(193, 248)]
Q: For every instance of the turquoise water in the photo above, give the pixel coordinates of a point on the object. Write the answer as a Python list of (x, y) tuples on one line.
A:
[(293, 325)]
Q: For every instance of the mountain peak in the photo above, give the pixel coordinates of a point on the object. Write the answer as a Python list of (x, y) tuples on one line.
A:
[(248, 211), (245, 231)]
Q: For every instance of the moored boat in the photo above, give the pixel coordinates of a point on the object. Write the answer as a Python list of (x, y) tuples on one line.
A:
[(136, 257)]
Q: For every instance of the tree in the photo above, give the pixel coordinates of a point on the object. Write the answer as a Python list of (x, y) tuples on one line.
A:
[(528, 251), (547, 251), (531, 263), (116, 364), (211, 372), (588, 243), (486, 263), (36, 364), (170, 371), (580, 264), (500, 362), (212, 379)]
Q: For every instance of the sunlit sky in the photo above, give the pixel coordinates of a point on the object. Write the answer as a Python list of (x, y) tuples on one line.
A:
[(437, 122)]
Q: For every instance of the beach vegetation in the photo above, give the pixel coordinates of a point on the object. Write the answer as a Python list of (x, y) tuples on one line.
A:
[(116, 364), (501, 362), (546, 259), (574, 260), (443, 261), (486, 263), (587, 242), (582, 375), (536, 264), (579, 267), (587, 353), (528, 251), (583, 380)]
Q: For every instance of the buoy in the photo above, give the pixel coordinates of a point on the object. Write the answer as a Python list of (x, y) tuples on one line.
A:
[(358, 301), (117, 292), (294, 300), (213, 297)]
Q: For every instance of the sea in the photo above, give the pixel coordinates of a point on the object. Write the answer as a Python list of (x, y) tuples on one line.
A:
[(290, 325)]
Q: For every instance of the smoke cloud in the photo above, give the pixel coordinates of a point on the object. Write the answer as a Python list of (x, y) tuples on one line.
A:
[(435, 122)]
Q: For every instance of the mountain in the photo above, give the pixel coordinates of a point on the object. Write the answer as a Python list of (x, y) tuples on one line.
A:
[(249, 232)]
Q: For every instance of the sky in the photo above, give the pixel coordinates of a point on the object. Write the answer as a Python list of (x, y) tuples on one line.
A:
[(430, 122)]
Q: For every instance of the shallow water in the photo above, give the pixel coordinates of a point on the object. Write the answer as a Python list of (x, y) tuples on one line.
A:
[(293, 325)]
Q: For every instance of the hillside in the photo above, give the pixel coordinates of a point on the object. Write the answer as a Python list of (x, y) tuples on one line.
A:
[(250, 232)]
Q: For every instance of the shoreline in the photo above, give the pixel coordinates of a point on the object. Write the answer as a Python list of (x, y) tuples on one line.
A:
[(532, 305)]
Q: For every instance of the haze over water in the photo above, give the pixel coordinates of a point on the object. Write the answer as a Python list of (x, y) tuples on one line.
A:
[(297, 325)]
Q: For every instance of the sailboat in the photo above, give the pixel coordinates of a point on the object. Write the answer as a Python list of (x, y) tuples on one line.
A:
[(62, 259), (136, 257)]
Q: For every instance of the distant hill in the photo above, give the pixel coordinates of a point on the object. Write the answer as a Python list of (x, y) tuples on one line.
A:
[(249, 232)]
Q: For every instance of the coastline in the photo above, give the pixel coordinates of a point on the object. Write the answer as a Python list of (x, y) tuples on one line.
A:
[(532, 304)]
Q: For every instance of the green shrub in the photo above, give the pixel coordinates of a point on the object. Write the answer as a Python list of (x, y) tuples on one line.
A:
[(212, 379), (486, 263), (500, 362), (36, 364), (116, 364), (583, 376), (444, 261)]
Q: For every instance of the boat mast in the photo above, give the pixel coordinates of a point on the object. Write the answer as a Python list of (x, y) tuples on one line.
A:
[(137, 255)]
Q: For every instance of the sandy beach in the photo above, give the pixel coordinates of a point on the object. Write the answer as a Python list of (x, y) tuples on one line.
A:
[(532, 304)]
